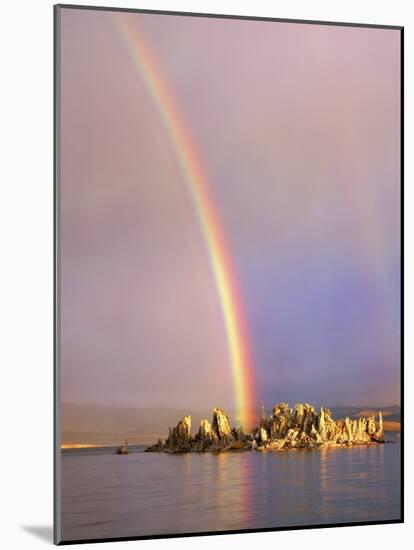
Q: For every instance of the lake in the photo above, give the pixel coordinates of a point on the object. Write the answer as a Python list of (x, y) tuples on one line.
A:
[(105, 495)]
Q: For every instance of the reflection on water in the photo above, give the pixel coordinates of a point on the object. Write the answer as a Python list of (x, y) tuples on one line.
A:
[(106, 495)]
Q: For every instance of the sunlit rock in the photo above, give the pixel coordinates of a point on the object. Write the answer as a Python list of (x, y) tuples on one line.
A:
[(221, 424), (263, 435), (285, 428)]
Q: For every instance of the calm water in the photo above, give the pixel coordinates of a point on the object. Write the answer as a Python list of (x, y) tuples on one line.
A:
[(105, 495)]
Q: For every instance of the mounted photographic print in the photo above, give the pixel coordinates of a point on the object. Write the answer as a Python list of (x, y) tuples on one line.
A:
[(228, 222)]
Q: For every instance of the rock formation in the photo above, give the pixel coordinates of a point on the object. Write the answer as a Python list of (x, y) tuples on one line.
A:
[(123, 449), (285, 428), (303, 427), (180, 436)]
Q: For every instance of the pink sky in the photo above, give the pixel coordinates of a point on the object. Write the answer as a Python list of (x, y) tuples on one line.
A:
[(298, 130)]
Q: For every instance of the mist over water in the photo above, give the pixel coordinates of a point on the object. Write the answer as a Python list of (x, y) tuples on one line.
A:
[(105, 495)]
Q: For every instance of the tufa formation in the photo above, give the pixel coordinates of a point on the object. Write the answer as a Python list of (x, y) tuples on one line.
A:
[(299, 428)]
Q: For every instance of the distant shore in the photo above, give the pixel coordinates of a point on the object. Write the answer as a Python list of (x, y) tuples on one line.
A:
[(81, 446), (392, 426)]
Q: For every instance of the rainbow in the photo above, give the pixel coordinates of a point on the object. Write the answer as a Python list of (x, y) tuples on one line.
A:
[(197, 184)]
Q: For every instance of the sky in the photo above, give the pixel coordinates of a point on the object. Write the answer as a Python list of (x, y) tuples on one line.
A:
[(297, 128)]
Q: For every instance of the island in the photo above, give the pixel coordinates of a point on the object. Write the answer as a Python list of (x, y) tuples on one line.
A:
[(301, 427)]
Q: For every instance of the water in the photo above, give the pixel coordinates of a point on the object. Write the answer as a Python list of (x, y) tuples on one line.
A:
[(106, 495)]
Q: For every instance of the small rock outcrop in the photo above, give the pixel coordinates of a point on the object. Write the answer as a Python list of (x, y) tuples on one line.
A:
[(285, 428), (123, 449)]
